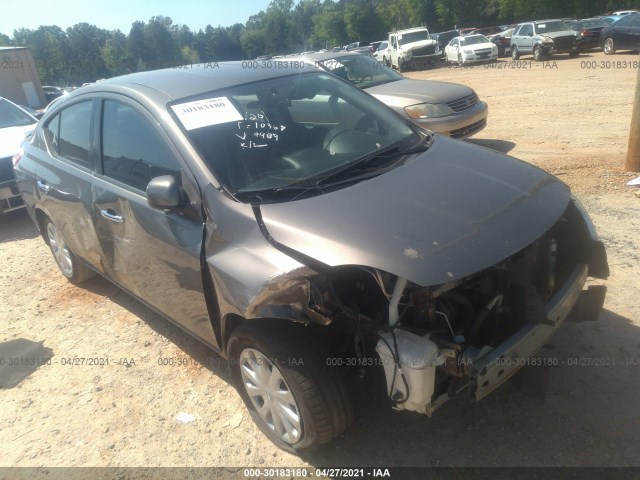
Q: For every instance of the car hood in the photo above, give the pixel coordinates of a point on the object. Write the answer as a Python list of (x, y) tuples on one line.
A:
[(11, 138), (444, 214), (409, 92), (478, 46), (418, 44)]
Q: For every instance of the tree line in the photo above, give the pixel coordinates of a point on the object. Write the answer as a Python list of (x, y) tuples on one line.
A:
[(85, 53)]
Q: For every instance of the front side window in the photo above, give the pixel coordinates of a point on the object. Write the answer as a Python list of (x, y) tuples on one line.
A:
[(133, 151), (290, 132), (75, 131)]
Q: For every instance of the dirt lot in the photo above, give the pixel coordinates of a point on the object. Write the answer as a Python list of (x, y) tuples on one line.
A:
[(566, 118)]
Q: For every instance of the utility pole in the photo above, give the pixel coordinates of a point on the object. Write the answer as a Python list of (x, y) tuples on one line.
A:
[(633, 150)]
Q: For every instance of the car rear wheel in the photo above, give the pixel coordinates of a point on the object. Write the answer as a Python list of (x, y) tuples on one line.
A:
[(73, 269), (401, 66), (609, 46), (282, 375), (515, 54)]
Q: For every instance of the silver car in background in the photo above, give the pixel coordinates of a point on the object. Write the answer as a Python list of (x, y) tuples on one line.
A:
[(442, 107)]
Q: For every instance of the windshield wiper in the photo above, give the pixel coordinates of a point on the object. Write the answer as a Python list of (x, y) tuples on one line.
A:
[(362, 163)]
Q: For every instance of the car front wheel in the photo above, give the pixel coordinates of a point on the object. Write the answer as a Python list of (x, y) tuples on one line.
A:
[(515, 55), (293, 396), (74, 270), (537, 53), (609, 46)]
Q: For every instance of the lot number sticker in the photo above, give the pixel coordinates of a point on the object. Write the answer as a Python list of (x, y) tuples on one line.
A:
[(203, 113)]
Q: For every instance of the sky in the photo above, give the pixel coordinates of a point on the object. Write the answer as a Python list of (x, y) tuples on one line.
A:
[(120, 14)]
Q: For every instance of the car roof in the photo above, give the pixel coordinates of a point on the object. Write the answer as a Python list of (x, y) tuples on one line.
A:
[(191, 80)]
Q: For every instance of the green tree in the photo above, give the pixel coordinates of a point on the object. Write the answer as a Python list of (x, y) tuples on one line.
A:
[(114, 54), (84, 53), (48, 45), (5, 41)]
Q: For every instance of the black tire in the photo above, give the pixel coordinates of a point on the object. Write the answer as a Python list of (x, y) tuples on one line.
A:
[(574, 53), (515, 54), (608, 46), (460, 59), (321, 403), (501, 52), (538, 54), (71, 267), (401, 66)]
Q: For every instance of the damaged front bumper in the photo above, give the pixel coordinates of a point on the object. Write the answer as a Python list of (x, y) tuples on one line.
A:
[(424, 371), (492, 369)]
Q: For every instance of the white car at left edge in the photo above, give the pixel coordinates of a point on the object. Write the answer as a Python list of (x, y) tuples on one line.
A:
[(16, 124), (470, 49)]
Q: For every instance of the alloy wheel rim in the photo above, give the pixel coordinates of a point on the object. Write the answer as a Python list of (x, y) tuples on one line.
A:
[(607, 45), (60, 250), (271, 396)]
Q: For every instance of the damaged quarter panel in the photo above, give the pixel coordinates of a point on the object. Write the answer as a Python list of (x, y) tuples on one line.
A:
[(251, 278)]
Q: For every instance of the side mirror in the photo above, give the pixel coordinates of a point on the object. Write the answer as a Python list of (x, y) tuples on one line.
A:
[(164, 193)]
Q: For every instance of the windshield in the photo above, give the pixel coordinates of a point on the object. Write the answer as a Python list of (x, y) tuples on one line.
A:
[(12, 116), (473, 40), (549, 27), (361, 70), (289, 132), (413, 37)]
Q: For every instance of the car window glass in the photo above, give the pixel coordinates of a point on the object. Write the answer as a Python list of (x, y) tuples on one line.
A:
[(635, 20), (75, 128), (11, 116), (133, 151), (51, 132), (526, 30)]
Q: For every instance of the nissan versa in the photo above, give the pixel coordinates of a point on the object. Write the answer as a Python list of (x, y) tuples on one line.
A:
[(296, 225)]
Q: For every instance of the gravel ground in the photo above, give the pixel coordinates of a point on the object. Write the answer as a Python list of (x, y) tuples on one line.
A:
[(565, 117)]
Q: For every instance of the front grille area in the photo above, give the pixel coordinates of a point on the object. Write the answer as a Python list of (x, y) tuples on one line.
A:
[(563, 43), (428, 50), (469, 129), (463, 103)]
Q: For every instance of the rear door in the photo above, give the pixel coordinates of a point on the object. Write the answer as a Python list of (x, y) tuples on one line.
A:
[(64, 176), (154, 254)]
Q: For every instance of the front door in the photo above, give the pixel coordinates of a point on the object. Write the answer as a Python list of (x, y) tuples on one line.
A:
[(156, 255)]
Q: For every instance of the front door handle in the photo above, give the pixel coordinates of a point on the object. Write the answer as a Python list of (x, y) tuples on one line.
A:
[(42, 186), (111, 215)]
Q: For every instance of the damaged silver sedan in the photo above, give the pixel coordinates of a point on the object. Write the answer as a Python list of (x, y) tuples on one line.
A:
[(299, 227)]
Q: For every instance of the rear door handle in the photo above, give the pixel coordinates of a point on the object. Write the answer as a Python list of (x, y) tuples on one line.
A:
[(42, 186), (111, 215)]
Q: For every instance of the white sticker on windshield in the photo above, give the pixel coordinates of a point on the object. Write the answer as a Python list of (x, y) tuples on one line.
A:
[(542, 25), (203, 113)]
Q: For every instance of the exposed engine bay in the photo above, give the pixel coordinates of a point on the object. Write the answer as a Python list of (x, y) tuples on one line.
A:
[(435, 341)]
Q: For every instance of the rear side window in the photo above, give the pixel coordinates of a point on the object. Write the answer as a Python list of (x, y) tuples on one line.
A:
[(74, 132), (133, 151)]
